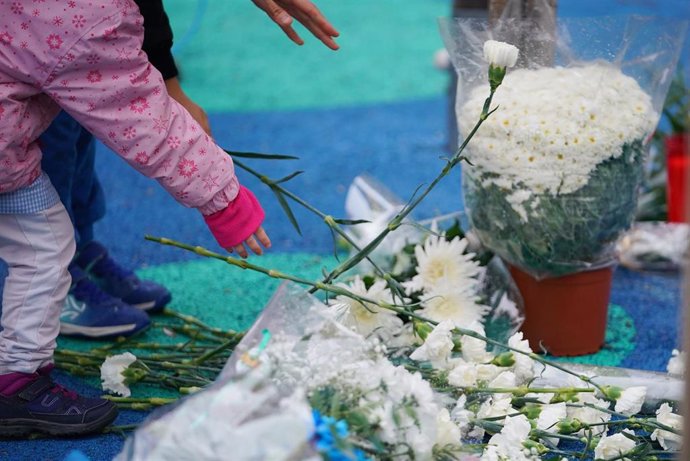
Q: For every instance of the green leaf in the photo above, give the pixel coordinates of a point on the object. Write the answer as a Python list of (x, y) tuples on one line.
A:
[(288, 177), (287, 210), (260, 156), (349, 222)]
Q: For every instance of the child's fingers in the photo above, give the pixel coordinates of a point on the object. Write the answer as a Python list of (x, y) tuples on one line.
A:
[(240, 250), (253, 245), (263, 237)]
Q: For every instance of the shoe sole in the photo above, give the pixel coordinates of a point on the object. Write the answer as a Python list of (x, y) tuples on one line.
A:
[(77, 331), (154, 307), (24, 427)]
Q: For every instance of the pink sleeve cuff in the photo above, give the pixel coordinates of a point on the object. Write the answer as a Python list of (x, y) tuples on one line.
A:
[(238, 221)]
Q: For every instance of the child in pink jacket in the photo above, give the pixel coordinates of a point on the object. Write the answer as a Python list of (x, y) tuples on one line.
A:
[(85, 57)]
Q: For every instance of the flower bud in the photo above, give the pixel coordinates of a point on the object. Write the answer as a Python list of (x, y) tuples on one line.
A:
[(505, 359)]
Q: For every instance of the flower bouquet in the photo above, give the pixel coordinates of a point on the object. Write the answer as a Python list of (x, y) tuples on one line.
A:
[(555, 172)]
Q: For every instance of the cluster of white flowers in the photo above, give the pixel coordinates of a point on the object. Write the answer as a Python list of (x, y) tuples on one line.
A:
[(337, 358), (447, 276), (553, 127)]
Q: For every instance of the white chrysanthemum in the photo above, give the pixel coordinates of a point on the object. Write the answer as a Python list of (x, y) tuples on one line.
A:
[(500, 54), (614, 446), (437, 346), (631, 400), (448, 301), (112, 369), (668, 440), (366, 318), (676, 364), (524, 365), (447, 432), (554, 126), (443, 261), (549, 417)]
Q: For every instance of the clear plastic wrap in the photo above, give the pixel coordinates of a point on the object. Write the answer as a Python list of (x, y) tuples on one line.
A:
[(556, 169)]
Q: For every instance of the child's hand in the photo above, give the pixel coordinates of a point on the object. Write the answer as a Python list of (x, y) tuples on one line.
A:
[(283, 11), (252, 243), (238, 226)]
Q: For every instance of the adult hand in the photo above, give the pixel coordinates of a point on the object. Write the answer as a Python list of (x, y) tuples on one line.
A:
[(252, 243), (282, 13), (197, 113)]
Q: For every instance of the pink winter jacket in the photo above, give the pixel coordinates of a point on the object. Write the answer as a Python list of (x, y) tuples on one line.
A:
[(85, 57)]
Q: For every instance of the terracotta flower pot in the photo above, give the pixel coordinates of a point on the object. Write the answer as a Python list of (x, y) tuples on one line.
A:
[(565, 315), (677, 166)]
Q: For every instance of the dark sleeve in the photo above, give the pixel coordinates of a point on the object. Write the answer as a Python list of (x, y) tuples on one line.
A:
[(158, 37)]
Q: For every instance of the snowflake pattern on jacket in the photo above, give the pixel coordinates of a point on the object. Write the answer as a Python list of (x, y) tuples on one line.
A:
[(85, 57)]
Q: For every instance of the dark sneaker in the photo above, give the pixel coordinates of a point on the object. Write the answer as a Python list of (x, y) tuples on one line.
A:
[(90, 312), (120, 282), (44, 407)]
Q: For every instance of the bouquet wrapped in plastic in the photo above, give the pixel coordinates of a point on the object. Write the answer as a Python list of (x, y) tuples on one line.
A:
[(555, 171)]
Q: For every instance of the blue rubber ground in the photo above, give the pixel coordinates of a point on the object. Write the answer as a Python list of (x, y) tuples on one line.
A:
[(398, 137)]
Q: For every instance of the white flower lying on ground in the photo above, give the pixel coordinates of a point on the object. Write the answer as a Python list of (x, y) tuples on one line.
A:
[(549, 417), (507, 444), (112, 371), (631, 400), (524, 365), (365, 318), (447, 432), (500, 54), (668, 440), (474, 349), (437, 346), (590, 415), (612, 447), (676, 364)]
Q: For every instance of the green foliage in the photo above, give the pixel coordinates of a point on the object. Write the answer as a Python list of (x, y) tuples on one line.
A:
[(567, 232)]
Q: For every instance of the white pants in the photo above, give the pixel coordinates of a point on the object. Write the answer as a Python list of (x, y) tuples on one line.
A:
[(37, 248)]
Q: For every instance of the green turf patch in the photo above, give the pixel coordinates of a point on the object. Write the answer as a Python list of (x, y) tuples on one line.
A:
[(239, 60)]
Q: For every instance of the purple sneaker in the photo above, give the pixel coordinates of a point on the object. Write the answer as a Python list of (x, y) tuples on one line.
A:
[(120, 282), (32, 403)]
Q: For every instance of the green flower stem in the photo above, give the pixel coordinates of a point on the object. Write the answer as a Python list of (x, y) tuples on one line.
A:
[(523, 390), (330, 222), (222, 348), (189, 331), (230, 334), (154, 401), (398, 219), (338, 290)]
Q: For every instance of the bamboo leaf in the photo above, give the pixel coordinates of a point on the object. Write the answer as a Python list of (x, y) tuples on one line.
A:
[(287, 210), (288, 177), (260, 156), (351, 221)]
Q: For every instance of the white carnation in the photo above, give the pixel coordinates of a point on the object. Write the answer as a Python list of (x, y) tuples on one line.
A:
[(676, 364), (614, 446), (112, 370), (549, 417), (631, 400), (437, 346), (668, 440), (500, 54)]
